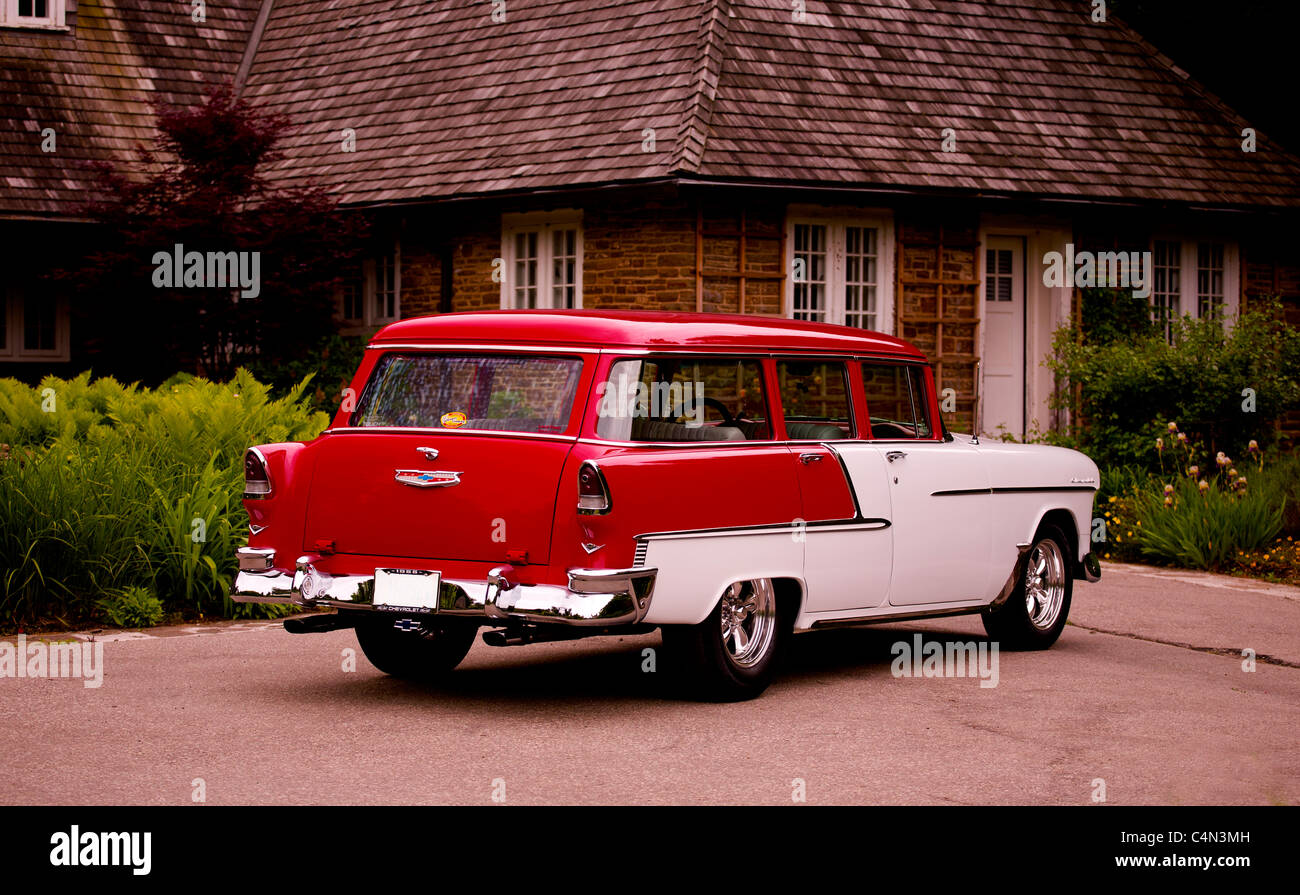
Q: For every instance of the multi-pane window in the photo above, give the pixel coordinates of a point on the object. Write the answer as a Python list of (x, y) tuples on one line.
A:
[(371, 295), (564, 267), (809, 273), (524, 287), (543, 260), (998, 278), (840, 271), (1192, 277), (33, 324), (31, 13), (1209, 279), (386, 287), (861, 272), (1166, 288), (39, 317)]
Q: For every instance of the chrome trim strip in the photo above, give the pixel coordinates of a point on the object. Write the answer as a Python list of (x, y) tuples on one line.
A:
[(848, 479), (769, 529), (1033, 489), (899, 617), (480, 346), (425, 430)]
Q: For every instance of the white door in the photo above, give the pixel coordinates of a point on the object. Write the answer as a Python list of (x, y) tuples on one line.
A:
[(1003, 363), (940, 502), (848, 565)]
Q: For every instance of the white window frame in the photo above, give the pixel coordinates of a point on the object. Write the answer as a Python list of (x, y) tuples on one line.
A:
[(12, 349), (837, 221), (1188, 300), (9, 17), (543, 223), (371, 318)]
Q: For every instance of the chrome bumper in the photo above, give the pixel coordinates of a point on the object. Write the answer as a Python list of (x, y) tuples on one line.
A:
[(593, 598)]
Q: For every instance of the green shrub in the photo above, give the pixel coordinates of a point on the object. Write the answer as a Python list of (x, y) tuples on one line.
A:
[(119, 486), (133, 607), (1205, 528), (1132, 382), (1202, 511)]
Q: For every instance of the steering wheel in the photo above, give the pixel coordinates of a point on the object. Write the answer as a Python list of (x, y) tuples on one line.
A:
[(889, 430), (727, 418)]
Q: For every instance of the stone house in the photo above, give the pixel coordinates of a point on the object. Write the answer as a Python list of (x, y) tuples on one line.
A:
[(900, 165)]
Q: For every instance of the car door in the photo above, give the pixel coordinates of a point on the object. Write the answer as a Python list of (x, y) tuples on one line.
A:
[(939, 493), (846, 556)]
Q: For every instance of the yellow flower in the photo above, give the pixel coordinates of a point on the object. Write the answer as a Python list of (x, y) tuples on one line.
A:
[(1112, 500)]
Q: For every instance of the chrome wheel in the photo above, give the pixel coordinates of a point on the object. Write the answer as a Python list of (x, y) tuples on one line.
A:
[(748, 616), (1045, 584)]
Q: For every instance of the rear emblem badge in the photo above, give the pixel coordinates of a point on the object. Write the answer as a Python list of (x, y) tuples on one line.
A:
[(422, 478)]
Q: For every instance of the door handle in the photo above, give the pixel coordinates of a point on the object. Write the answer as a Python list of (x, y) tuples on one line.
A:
[(895, 455), (805, 459)]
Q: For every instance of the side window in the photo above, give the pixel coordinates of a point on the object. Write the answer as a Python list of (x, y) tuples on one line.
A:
[(815, 399), (896, 401), (684, 399)]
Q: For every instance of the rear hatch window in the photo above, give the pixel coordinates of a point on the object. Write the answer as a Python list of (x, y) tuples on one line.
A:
[(461, 391)]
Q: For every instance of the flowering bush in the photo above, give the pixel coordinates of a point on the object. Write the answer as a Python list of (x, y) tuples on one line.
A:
[(1202, 512)]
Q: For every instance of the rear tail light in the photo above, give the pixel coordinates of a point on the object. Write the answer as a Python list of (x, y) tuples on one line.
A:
[(593, 492), (257, 481)]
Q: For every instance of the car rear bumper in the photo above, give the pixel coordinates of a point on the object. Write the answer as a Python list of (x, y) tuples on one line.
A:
[(593, 597)]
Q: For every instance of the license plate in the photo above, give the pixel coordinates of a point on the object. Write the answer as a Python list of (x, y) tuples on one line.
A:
[(406, 589)]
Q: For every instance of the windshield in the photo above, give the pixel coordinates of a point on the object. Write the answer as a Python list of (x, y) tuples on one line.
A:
[(494, 392)]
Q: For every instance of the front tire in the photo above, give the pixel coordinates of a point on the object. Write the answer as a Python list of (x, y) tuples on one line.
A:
[(1035, 614), (732, 655), (428, 653)]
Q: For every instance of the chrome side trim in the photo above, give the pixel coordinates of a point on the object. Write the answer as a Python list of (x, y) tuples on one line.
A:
[(480, 346), (427, 430), (781, 528)]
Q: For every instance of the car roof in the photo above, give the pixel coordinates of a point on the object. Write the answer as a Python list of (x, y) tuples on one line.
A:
[(644, 329)]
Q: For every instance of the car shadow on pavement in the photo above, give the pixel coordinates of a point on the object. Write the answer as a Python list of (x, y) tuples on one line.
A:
[(616, 672)]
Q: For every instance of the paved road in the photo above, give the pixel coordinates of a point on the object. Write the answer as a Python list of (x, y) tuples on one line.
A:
[(262, 716)]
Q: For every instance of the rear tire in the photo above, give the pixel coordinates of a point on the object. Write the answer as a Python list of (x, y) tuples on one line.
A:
[(732, 655), (426, 654), (1034, 616)]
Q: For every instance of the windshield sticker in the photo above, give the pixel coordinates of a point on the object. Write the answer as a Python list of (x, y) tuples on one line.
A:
[(454, 420)]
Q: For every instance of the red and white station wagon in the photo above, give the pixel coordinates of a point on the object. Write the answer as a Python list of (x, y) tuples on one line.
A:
[(730, 480)]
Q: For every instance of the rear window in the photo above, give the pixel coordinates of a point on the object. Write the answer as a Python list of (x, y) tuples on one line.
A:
[(494, 392)]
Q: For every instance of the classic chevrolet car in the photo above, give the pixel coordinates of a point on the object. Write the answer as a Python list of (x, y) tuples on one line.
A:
[(731, 480)]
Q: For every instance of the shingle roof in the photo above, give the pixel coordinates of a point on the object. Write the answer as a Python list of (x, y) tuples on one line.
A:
[(447, 102), (94, 85)]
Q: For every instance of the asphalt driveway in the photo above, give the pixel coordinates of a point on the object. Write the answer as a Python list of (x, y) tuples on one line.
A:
[(1145, 699)]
